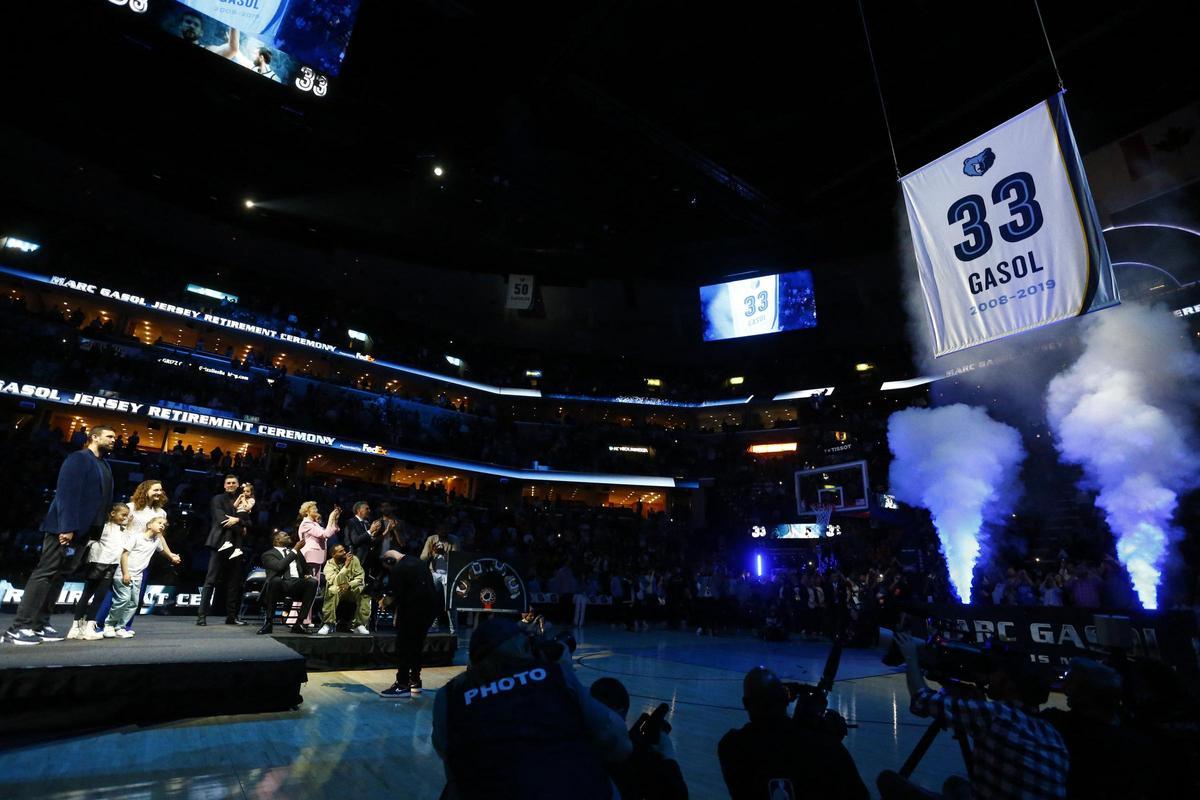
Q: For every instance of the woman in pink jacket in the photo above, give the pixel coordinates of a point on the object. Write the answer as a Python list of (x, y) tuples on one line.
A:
[(315, 538)]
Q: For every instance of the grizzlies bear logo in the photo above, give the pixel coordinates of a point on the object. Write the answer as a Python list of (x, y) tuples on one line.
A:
[(976, 165)]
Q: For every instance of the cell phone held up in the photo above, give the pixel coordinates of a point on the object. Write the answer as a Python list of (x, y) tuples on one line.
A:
[(648, 727)]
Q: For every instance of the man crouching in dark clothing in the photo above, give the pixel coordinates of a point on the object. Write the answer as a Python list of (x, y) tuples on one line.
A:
[(776, 756), (518, 727)]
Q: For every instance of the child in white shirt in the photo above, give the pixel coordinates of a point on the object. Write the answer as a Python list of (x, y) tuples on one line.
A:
[(234, 535), (102, 558), (138, 550)]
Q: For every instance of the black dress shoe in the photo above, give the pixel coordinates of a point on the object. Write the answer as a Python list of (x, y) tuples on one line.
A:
[(268, 628), (300, 627), (201, 621), (233, 621)]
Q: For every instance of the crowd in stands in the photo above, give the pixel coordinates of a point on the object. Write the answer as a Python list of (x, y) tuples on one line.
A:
[(657, 569)]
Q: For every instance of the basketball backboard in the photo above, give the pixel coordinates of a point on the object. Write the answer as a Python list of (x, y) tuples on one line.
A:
[(844, 486)]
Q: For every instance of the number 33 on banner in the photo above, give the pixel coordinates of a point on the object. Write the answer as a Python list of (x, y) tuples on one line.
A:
[(1006, 236)]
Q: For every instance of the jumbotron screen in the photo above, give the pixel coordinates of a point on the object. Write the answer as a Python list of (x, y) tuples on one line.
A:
[(299, 43), (754, 306)]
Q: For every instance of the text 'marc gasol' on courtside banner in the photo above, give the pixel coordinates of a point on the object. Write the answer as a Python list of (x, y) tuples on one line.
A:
[(1007, 238)]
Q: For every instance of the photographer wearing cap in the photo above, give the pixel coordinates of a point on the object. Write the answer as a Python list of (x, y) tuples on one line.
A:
[(517, 725), (1016, 753), (1102, 749), (775, 756), (651, 773)]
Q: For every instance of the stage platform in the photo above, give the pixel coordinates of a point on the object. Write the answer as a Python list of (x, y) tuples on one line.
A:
[(339, 651), (174, 670)]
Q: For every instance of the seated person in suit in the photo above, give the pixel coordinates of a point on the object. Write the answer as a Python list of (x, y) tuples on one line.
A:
[(287, 576), (344, 582)]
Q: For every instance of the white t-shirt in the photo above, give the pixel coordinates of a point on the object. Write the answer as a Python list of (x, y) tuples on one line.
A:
[(110, 546), (141, 550), (138, 520)]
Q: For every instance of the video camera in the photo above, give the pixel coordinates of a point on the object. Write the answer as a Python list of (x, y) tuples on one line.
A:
[(812, 702), (552, 648), (946, 658)]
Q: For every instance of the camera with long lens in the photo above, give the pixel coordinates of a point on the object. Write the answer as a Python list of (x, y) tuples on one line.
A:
[(812, 701), (649, 727), (946, 658), (552, 648)]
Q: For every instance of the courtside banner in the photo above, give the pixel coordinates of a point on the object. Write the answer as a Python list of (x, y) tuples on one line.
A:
[(1005, 232)]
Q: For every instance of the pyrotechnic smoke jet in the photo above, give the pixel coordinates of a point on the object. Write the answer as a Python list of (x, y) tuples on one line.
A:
[(962, 465), (1123, 412)]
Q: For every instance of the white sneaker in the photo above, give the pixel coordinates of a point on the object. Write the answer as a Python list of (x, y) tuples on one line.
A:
[(236, 552), (124, 634), (76, 631), (89, 633), (325, 630), (362, 629), (225, 546), (109, 632)]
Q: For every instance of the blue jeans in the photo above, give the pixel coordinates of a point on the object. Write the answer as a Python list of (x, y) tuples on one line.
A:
[(102, 614), (125, 601)]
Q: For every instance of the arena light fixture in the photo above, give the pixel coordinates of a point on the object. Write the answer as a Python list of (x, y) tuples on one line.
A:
[(438, 171), (890, 386), (801, 394), (248, 203), (863, 366), (774, 447), (213, 293), (13, 243)]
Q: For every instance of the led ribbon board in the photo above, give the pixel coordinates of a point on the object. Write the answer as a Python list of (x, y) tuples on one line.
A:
[(1006, 235), (181, 415)]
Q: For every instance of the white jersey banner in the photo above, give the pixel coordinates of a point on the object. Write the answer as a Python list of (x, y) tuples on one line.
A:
[(1006, 235), (754, 305), (520, 292)]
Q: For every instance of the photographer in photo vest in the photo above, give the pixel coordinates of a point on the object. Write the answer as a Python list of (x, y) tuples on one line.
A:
[(518, 725)]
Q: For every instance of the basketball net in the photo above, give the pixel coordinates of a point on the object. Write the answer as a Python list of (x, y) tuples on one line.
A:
[(824, 513)]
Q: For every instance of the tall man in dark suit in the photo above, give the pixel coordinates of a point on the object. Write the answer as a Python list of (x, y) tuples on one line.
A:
[(221, 568), (287, 576), (417, 604), (81, 504)]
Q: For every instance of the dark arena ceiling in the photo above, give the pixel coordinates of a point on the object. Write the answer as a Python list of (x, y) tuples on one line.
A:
[(666, 141)]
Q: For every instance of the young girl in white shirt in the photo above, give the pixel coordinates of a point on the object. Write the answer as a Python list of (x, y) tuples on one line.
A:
[(234, 535), (102, 557)]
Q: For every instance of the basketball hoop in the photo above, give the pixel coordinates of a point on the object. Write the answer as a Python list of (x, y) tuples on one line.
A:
[(824, 512)]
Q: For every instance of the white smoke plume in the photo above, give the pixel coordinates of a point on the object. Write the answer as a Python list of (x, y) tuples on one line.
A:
[(963, 466), (1123, 412)]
